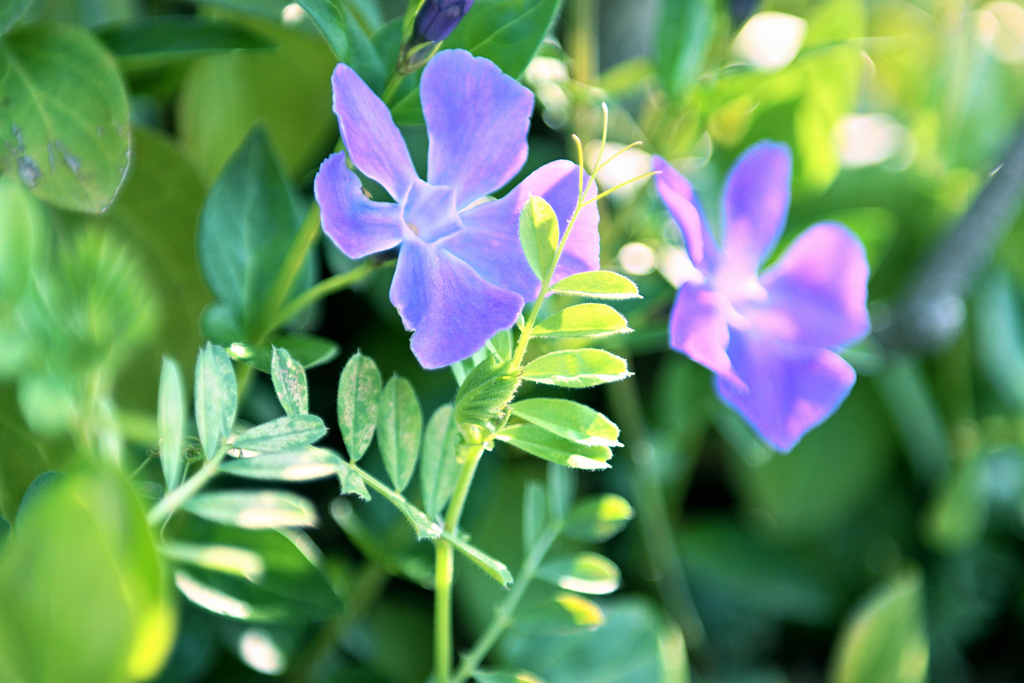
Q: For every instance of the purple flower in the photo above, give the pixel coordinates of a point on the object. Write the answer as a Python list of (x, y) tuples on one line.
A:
[(438, 18), (461, 275), (771, 338)]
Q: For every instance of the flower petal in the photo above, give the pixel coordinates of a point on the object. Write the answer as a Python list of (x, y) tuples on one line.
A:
[(477, 120), (681, 201), (698, 327), (790, 389), (756, 203), (817, 291), (371, 138), (490, 241), (452, 310), (358, 225)]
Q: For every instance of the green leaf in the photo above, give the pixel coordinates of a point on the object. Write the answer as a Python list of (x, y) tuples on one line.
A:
[(597, 284), (216, 398), (10, 12), (545, 445), (246, 227), (253, 509), (351, 483), (686, 29), (565, 614), (421, 524), (348, 41), (538, 233), (171, 422), (598, 518), (582, 573), (178, 36), (308, 350), (330, 19), (492, 567), (401, 425), (73, 156), (358, 404), (439, 467), (569, 420), (505, 677), (885, 640), (583, 320), (485, 394), (562, 486), (287, 433), (219, 558), (578, 368), (289, 382), (304, 465), (535, 514)]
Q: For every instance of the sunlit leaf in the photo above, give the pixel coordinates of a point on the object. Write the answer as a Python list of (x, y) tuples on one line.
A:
[(538, 233), (304, 465), (576, 368), (569, 419), (485, 393), (583, 320), (216, 398), (492, 567), (171, 421), (545, 445), (253, 509), (358, 404), (289, 382), (582, 573), (288, 433), (567, 613), (597, 284), (596, 519)]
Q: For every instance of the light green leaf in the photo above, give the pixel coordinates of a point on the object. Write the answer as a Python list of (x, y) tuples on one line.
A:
[(10, 12), (216, 398), (885, 639), (562, 485), (289, 382), (171, 422), (582, 573), (358, 404), (287, 433), (598, 518), (253, 509), (305, 465), (535, 514), (545, 445), (565, 614), (492, 567), (576, 368), (352, 483), (439, 467), (485, 394), (597, 284), (538, 233), (421, 524), (73, 156), (401, 425), (219, 558), (569, 419), (583, 320)]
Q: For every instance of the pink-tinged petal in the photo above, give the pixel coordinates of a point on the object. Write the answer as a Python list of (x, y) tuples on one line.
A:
[(490, 241), (698, 326), (789, 389), (817, 291), (356, 224), (477, 120), (756, 203), (371, 138), (452, 310), (681, 201)]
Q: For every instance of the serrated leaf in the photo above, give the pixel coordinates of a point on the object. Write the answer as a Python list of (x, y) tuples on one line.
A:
[(569, 420), (401, 425), (171, 423), (597, 284), (565, 614), (253, 509), (358, 404), (582, 573), (535, 514), (288, 433), (439, 467), (545, 445), (583, 320), (289, 382), (538, 233), (492, 567), (352, 483), (598, 518), (304, 465), (576, 368), (216, 398), (485, 394)]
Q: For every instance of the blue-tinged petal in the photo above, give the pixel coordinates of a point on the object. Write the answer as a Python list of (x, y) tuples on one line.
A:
[(789, 389), (755, 204), (452, 310), (356, 224), (681, 201), (817, 291), (429, 211), (371, 138), (490, 240), (698, 326), (477, 120)]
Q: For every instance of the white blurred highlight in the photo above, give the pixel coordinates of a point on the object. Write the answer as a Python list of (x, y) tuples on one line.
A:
[(292, 14), (675, 266), (868, 139), (770, 40), (999, 27), (636, 258), (257, 649), (630, 164)]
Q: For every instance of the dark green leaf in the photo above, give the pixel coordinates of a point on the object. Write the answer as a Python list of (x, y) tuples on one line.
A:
[(535, 514), (171, 422), (10, 12), (347, 39), (582, 573), (219, 558), (485, 394), (544, 444), (216, 398), (562, 486), (597, 284), (253, 509), (576, 369), (401, 425), (567, 613), (538, 233), (304, 465), (439, 466), (358, 404), (421, 524), (685, 32), (569, 419), (329, 17), (288, 433), (598, 518), (308, 350), (492, 567), (583, 320), (178, 36), (74, 156), (289, 382)]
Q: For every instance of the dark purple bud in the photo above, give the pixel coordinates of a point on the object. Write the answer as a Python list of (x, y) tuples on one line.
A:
[(438, 18)]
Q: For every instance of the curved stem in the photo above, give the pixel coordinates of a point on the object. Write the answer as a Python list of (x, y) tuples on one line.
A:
[(176, 498), (322, 289), (309, 233), (392, 87)]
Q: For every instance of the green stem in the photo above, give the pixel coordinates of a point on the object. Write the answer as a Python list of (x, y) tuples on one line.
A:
[(309, 233), (506, 611), (392, 87), (321, 290), (176, 498)]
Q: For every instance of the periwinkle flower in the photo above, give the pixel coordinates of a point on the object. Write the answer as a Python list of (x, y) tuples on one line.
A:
[(771, 338), (438, 18), (461, 275)]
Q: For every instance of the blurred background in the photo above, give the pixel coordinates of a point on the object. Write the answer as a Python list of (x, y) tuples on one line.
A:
[(886, 547)]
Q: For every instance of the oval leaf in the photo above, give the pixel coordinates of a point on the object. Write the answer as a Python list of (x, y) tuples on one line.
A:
[(538, 233), (569, 420), (171, 422), (583, 320), (439, 468), (598, 518), (401, 423), (288, 433), (582, 573), (545, 445), (289, 382), (253, 509), (567, 613), (216, 398), (306, 465), (358, 404), (597, 284), (577, 368)]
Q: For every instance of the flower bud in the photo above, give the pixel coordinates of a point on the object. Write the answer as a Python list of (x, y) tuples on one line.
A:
[(438, 18)]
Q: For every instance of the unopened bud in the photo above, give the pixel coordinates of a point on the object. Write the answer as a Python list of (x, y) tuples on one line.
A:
[(434, 22)]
